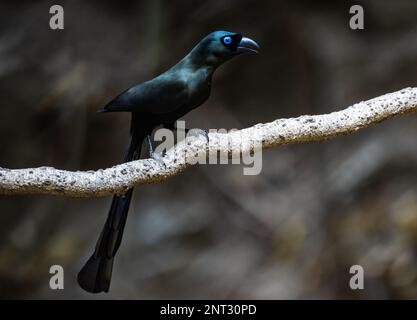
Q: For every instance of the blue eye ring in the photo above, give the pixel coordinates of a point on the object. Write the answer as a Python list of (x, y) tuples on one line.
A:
[(227, 40)]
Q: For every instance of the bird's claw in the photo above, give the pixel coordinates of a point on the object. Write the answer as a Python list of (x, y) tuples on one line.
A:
[(158, 158), (198, 132)]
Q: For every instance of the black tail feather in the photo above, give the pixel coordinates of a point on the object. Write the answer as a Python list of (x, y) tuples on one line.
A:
[(95, 276)]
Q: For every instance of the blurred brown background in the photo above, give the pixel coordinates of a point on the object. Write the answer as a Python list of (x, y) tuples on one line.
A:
[(291, 232)]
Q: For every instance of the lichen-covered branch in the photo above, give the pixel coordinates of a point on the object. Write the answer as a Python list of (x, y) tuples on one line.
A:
[(117, 179)]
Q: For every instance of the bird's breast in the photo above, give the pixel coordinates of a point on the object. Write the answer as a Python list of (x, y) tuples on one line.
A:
[(199, 86)]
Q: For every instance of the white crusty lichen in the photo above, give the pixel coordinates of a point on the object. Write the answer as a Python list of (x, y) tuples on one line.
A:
[(117, 179)]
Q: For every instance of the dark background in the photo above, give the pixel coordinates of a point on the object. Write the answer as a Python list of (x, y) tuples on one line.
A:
[(291, 232)]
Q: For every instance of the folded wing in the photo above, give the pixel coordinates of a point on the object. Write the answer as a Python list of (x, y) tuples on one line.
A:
[(157, 96)]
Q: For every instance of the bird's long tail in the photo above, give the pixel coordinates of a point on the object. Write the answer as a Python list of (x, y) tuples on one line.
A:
[(96, 274)]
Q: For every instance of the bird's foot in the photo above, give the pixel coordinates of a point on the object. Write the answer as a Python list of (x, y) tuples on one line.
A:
[(153, 155), (158, 158), (197, 133)]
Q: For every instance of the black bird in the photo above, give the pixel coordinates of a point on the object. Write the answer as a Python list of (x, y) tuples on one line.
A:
[(160, 101)]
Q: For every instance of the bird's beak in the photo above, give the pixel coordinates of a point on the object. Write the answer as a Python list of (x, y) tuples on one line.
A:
[(247, 45)]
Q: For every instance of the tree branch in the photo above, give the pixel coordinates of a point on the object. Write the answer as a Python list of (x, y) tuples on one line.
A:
[(117, 179)]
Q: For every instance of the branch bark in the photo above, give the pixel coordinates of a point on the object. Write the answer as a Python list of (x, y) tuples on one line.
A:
[(117, 179)]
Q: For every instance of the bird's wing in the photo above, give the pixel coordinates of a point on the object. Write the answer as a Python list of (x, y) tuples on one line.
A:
[(157, 96)]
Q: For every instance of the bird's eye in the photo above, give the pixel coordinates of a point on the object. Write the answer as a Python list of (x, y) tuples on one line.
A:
[(227, 40)]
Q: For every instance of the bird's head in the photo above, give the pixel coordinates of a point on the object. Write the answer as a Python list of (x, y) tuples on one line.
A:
[(220, 46)]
